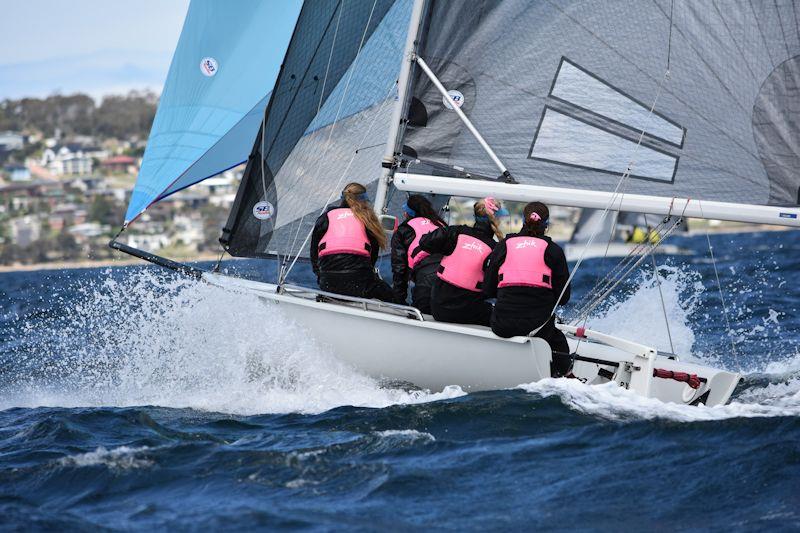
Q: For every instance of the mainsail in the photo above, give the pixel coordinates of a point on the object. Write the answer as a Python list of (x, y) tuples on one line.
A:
[(214, 96), (325, 125), (563, 90)]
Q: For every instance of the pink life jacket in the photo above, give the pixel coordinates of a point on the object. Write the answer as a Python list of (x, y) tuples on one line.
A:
[(346, 234), (524, 265), (464, 267), (421, 226)]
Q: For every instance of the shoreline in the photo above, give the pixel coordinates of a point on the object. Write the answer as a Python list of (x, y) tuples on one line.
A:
[(121, 262)]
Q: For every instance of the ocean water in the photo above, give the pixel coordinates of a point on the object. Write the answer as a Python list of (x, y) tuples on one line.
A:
[(133, 399)]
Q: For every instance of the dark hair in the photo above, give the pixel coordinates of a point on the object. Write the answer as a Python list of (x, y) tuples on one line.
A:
[(423, 208), (531, 226)]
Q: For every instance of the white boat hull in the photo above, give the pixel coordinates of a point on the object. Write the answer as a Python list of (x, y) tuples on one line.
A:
[(432, 355)]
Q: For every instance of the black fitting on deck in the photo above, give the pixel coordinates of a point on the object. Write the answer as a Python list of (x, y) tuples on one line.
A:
[(506, 176)]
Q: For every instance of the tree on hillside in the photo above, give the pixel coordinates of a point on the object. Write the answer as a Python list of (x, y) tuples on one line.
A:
[(119, 116), (123, 116)]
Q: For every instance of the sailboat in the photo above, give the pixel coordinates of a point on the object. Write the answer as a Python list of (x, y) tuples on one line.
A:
[(674, 108), (613, 234)]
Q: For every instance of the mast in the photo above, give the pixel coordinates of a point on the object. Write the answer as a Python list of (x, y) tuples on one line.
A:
[(397, 112)]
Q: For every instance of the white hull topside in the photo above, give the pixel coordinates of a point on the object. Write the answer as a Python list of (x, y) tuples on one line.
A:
[(397, 343)]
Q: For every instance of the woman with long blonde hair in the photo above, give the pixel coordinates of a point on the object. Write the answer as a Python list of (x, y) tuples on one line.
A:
[(456, 295), (344, 247)]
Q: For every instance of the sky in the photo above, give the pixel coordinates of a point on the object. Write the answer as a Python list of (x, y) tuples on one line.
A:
[(94, 46)]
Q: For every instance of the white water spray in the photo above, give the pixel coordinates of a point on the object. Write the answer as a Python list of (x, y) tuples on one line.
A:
[(180, 343)]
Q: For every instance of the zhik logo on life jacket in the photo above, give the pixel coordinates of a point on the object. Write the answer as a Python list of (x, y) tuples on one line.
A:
[(344, 215), (473, 246), (526, 244)]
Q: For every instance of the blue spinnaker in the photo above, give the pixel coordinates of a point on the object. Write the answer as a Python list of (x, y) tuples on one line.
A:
[(214, 96)]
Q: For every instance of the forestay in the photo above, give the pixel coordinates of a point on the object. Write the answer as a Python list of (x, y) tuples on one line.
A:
[(326, 124), (562, 91), (214, 96)]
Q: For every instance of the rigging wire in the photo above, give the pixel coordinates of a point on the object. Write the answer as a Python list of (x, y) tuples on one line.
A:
[(637, 256), (319, 107), (721, 295), (341, 178), (660, 292), (285, 273), (619, 191)]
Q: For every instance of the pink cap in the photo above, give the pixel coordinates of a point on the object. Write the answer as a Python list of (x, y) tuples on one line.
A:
[(491, 204)]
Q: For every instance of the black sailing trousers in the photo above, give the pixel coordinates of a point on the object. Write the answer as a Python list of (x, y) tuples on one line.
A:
[(360, 283)]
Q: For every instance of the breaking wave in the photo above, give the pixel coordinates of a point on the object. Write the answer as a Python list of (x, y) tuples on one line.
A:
[(144, 338), (147, 339)]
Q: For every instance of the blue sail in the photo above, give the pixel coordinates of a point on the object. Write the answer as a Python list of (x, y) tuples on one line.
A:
[(214, 96)]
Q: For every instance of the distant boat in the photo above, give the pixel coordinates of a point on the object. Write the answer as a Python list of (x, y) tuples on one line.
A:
[(618, 235), (642, 107)]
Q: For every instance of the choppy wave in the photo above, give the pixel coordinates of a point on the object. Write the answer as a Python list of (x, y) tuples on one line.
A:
[(609, 401), (151, 340), (147, 339), (175, 404)]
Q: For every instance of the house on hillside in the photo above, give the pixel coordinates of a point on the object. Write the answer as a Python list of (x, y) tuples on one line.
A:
[(25, 230), (11, 140), (122, 164), (71, 158), (17, 172), (149, 243)]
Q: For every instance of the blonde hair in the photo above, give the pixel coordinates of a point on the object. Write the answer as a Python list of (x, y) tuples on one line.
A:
[(363, 212), (480, 211)]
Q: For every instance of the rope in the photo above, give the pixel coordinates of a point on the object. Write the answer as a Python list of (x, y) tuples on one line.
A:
[(219, 261), (628, 264), (661, 294), (612, 282), (721, 295), (669, 39)]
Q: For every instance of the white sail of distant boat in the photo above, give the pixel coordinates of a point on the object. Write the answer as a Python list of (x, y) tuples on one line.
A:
[(675, 108), (614, 234)]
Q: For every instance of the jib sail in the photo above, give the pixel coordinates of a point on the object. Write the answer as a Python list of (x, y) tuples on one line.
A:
[(326, 124)]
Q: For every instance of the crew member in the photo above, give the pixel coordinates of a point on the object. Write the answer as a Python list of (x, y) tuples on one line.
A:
[(409, 261), (527, 272), (457, 295), (345, 245)]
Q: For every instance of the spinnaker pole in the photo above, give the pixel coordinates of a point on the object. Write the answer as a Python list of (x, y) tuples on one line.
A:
[(397, 113)]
